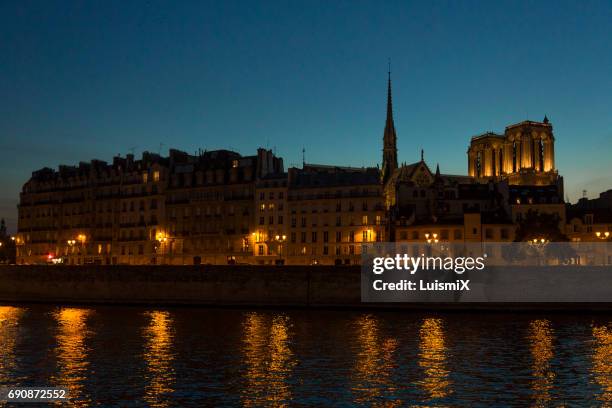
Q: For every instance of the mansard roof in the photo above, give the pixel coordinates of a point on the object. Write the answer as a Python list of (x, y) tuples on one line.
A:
[(330, 176)]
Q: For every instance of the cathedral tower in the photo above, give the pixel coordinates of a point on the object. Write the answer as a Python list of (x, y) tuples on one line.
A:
[(389, 164)]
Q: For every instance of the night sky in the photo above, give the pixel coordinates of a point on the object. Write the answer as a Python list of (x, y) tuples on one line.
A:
[(84, 80)]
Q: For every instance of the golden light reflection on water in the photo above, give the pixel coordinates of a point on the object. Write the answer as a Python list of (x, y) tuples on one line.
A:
[(72, 353), (374, 365), (602, 362), (269, 360), (9, 320), (542, 351), (159, 358), (433, 359)]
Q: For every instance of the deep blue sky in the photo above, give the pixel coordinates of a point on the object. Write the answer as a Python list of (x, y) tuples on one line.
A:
[(83, 80)]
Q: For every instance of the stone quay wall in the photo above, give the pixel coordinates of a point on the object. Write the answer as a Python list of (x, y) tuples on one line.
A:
[(227, 285), (221, 285)]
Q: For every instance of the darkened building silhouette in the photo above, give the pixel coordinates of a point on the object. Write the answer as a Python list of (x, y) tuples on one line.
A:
[(221, 207)]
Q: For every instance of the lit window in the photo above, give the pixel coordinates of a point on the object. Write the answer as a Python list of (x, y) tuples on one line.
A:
[(156, 176), (145, 178)]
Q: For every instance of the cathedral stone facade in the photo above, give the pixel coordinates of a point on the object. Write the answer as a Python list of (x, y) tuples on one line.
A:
[(523, 155)]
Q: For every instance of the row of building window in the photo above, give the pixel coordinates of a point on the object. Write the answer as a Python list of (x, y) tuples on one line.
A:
[(335, 250), (314, 222)]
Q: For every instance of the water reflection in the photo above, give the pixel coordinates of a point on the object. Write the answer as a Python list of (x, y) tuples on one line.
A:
[(269, 360), (432, 358), (9, 320), (602, 362), (159, 358), (72, 353), (374, 365), (542, 351)]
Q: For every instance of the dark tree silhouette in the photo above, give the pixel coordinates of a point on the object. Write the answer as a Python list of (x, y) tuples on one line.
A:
[(7, 245), (536, 225)]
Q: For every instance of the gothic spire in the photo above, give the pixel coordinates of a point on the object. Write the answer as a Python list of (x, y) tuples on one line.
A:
[(389, 137), (389, 125)]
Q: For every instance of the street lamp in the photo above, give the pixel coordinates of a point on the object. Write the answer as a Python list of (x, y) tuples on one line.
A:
[(604, 237), (538, 242), (280, 239), (162, 239), (431, 238), (82, 239)]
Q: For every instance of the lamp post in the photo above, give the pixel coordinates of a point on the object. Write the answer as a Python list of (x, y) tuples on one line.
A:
[(280, 239), (82, 239), (162, 239), (538, 244), (605, 236), (71, 243)]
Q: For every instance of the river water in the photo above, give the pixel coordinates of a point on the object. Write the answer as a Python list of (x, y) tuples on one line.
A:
[(131, 356)]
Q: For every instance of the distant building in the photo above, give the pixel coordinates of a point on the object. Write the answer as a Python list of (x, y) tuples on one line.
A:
[(590, 220), (219, 207), (523, 155)]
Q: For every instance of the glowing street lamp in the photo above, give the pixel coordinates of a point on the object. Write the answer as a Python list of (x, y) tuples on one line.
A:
[(431, 238), (539, 241), (280, 239), (161, 237), (605, 235)]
